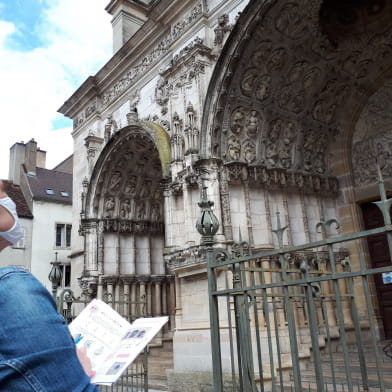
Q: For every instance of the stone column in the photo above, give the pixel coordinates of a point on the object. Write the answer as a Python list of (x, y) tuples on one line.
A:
[(248, 212), (110, 284), (133, 297), (168, 216), (142, 281), (101, 247), (126, 281), (118, 254), (91, 247), (158, 280), (172, 308), (164, 297)]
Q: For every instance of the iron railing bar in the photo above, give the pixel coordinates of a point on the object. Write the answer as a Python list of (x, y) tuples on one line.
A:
[(269, 336), (373, 334), (292, 329), (329, 345), (230, 336), (314, 332), (258, 340), (342, 329), (310, 245), (278, 350), (244, 337), (357, 329), (332, 277), (214, 328)]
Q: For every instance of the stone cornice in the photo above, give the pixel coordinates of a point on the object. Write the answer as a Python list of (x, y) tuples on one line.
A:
[(143, 50)]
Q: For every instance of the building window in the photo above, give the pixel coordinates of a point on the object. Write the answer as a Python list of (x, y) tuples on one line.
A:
[(63, 235), (64, 193), (49, 191), (66, 275)]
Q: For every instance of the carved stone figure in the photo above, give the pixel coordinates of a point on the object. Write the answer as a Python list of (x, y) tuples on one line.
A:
[(109, 207), (271, 154), (115, 181), (285, 156), (263, 86), (130, 187), (277, 59), (234, 148), (252, 123), (223, 28), (261, 54), (162, 91), (290, 21), (125, 209), (248, 83), (249, 151), (145, 190), (141, 210), (238, 120), (155, 212)]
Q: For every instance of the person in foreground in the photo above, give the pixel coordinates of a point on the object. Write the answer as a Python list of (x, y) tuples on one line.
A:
[(37, 352)]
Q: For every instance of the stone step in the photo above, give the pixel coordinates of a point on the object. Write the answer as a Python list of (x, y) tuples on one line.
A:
[(160, 359)]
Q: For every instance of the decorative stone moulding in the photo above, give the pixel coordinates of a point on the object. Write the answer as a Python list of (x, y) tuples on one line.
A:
[(125, 226), (260, 176)]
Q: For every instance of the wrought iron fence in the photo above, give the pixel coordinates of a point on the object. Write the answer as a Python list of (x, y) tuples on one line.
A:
[(297, 318), (135, 379)]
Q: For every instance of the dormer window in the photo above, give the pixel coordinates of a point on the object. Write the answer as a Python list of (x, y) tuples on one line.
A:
[(49, 191), (64, 193)]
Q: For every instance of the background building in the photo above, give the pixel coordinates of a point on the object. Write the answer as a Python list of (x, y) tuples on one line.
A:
[(44, 204)]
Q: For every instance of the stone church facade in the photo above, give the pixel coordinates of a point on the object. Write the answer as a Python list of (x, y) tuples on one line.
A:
[(271, 105)]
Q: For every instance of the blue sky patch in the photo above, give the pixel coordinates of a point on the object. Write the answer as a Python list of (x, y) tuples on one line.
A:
[(61, 122), (26, 16)]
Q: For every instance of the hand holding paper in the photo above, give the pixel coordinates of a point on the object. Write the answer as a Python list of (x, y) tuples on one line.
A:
[(111, 342)]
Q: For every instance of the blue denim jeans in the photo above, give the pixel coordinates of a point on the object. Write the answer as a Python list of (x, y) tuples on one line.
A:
[(37, 352)]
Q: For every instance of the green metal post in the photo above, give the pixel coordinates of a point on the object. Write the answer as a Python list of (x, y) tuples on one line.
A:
[(214, 322)]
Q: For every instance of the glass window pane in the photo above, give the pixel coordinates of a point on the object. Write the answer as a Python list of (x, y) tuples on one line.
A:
[(59, 231), (68, 236)]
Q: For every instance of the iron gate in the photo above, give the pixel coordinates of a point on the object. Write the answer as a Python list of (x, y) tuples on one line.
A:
[(296, 318)]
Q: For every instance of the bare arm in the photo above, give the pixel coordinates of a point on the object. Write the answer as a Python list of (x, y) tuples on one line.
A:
[(6, 219)]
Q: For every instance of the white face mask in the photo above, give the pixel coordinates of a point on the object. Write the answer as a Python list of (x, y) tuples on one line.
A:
[(14, 234)]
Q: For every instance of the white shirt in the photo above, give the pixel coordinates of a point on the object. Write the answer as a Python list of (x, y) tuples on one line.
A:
[(15, 233)]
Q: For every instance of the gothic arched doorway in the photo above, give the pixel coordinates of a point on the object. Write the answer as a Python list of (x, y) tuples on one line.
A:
[(123, 222)]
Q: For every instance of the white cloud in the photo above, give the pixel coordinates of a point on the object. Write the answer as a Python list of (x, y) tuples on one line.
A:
[(76, 38)]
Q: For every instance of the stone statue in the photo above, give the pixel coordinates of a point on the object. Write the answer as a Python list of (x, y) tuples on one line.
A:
[(109, 207), (115, 181), (125, 208)]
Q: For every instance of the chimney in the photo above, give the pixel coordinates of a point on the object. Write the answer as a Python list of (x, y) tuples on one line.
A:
[(17, 158), (28, 155), (128, 17), (31, 157)]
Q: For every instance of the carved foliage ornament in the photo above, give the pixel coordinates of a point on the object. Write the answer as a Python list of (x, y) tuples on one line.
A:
[(369, 153), (297, 93), (137, 71), (244, 125)]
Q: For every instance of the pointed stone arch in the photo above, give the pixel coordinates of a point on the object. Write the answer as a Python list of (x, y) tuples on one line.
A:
[(285, 97), (287, 90), (124, 203)]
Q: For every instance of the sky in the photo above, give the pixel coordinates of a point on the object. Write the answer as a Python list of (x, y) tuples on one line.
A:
[(48, 48)]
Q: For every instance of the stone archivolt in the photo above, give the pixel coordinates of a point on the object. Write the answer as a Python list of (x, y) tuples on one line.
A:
[(372, 142), (128, 194), (297, 85)]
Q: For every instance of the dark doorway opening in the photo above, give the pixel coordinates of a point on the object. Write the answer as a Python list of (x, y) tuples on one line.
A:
[(380, 257)]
